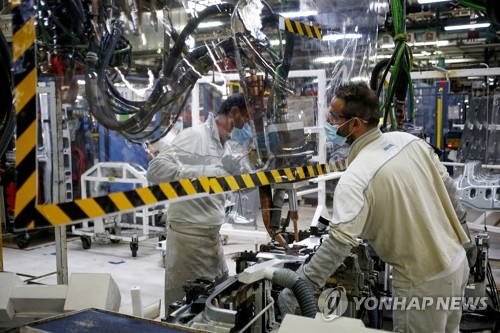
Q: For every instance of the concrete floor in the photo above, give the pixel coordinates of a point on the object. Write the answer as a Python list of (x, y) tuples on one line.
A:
[(145, 271)]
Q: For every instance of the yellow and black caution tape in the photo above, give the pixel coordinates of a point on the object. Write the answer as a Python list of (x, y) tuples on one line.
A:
[(87, 209), (299, 28)]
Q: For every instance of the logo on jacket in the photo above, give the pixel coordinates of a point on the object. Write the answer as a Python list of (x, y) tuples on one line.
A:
[(386, 148)]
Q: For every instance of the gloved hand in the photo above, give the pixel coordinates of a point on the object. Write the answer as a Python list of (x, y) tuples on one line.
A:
[(470, 248), (287, 302), (231, 165)]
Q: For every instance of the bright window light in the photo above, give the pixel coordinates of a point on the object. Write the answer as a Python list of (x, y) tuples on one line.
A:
[(300, 14), (467, 26)]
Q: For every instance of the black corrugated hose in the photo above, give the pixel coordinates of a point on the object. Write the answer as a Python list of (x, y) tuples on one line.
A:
[(301, 290)]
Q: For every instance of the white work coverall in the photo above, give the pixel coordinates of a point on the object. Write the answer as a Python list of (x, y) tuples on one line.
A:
[(393, 194), (193, 242)]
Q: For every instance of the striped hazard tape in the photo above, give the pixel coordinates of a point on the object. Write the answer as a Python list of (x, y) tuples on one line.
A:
[(299, 28), (87, 209)]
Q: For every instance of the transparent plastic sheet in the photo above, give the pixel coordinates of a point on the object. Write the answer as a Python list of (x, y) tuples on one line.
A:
[(125, 75)]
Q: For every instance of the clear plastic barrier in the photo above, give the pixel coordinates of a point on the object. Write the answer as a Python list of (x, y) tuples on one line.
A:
[(129, 77)]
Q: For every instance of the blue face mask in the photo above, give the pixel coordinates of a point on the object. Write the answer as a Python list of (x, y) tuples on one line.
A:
[(331, 133), (178, 125), (242, 134)]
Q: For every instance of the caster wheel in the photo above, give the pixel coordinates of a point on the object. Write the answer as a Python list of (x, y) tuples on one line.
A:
[(23, 241), (134, 247), (86, 242), (114, 241)]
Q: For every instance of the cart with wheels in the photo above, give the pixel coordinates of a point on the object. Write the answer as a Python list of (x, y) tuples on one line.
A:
[(132, 227)]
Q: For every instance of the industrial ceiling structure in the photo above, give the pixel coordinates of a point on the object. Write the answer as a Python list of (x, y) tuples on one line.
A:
[(433, 42), (449, 35), (427, 24)]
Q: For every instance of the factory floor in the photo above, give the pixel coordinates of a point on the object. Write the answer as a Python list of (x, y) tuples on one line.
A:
[(146, 269)]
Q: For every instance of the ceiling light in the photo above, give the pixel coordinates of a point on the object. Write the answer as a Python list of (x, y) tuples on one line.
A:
[(429, 43), (472, 25), (327, 60), (300, 14), (424, 2), (455, 60), (436, 42), (341, 36), (209, 24)]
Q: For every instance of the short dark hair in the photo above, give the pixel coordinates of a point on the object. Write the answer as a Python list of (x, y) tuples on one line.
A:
[(233, 100), (360, 101)]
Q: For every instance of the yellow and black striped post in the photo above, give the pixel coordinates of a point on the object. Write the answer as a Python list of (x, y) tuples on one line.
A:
[(25, 82), (299, 28)]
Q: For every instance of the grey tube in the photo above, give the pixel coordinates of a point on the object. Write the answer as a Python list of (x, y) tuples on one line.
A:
[(301, 290)]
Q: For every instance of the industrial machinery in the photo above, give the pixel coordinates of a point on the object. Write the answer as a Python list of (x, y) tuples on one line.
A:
[(249, 299)]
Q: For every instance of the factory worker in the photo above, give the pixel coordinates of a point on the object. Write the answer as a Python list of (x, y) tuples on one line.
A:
[(397, 195), (193, 241)]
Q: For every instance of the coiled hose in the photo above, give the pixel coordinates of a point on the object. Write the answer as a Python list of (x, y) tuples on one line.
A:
[(176, 82), (301, 290)]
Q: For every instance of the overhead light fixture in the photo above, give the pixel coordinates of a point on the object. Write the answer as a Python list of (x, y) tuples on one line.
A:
[(425, 2), (300, 14), (472, 25), (340, 36), (209, 24), (436, 43), (429, 43), (328, 60), (454, 60)]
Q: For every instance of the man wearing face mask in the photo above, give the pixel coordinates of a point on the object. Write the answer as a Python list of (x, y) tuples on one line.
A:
[(193, 241), (397, 195), (170, 136)]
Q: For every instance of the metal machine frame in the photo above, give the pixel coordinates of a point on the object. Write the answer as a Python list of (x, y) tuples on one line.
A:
[(109, 229)]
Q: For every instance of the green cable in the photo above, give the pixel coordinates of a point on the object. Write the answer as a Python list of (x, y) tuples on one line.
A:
[(472, 5), (402, 61)]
